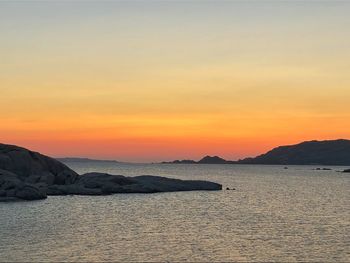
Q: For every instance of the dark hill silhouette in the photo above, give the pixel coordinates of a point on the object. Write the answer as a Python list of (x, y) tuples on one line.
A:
[(212, 160), (205, 160), (331, 152)]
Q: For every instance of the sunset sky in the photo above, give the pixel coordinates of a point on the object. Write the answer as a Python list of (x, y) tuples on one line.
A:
[(154, 81)]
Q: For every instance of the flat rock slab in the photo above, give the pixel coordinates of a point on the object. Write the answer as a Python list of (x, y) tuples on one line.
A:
[(104, 184)]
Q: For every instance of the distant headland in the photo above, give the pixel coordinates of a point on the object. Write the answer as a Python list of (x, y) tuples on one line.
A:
[(329, 152), (83, 160)]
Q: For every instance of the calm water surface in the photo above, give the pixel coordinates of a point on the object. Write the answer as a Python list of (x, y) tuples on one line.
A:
[(275, 214)]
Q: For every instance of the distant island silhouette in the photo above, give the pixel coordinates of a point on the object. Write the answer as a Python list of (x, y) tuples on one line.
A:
[(205, 160), (328, 152), (82, 160)]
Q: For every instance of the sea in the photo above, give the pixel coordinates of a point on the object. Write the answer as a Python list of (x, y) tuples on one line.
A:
[(273, 213)]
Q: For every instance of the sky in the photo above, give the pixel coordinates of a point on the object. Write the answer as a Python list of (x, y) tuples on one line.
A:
[(147, 81)]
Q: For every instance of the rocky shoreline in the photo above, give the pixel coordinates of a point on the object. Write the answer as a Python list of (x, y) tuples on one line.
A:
[(28, 175)]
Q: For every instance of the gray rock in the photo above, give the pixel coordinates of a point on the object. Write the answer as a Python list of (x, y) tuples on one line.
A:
[(141, 184), (8, 199), (73, 189), (30, 192), (9, 181), (163, 184), (27, 175), (57, 190), (95, 180), (104, 184), (11, 193), (13, 188), (33, 166)]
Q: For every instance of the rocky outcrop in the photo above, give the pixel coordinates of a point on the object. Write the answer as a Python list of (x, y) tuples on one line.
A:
[(104, 184), (33, 167), (13, 188), (27, 175), (163, 184), (346, 171)]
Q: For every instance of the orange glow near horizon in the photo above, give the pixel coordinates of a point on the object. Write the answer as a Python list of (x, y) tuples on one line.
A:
[(162, 138), (145, 82)]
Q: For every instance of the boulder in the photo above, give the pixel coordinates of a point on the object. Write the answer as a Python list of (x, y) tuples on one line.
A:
[(34, 167), (346, 171), (25, 175), (13, 188), (30, 192)]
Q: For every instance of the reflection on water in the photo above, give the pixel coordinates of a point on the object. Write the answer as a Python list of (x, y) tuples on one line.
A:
[(275, 214)]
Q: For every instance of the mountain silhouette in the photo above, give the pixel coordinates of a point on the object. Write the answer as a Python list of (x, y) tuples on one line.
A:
[(212, 160), (329, 152)]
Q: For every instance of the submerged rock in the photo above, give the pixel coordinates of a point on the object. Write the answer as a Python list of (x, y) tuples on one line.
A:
[(323, 169), (27, 175)]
